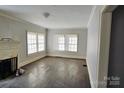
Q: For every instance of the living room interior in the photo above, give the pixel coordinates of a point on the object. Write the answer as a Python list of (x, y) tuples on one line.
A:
[(55, 46)]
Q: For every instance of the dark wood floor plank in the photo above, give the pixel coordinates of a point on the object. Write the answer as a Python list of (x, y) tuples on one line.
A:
[(51, 72)]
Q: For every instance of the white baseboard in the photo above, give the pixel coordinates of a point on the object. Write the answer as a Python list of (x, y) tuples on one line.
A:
[(90, 75), (30, 61), (39, 57), (66, 56)]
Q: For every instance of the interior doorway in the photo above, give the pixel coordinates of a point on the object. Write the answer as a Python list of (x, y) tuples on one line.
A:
[(116, 51)]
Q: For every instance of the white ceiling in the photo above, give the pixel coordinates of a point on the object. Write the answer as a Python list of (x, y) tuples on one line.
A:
[(61, 16)]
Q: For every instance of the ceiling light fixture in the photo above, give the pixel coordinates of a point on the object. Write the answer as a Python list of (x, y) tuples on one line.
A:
[(46, 14)]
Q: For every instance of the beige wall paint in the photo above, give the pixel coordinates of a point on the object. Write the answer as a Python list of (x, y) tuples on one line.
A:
[(104, 49), (93, 45), (82, 43), (17, 30)]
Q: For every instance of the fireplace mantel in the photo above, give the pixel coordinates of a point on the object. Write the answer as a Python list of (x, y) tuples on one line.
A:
[(8, 48)]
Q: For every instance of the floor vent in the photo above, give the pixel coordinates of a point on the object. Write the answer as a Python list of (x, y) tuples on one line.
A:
[(84, 65)]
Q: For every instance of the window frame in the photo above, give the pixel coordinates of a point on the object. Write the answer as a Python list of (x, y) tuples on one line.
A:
[(66, 42), (60, 43), (37, 51), (69, 35), (43, 43), (28, 42)]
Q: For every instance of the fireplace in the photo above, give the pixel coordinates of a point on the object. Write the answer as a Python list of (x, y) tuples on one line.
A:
[(8, 57), (8, 67)]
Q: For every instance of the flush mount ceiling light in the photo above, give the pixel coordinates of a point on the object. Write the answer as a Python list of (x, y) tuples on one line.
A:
[(46, 14)]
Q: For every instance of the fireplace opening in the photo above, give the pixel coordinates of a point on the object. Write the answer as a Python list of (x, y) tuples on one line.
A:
[(8, 67)]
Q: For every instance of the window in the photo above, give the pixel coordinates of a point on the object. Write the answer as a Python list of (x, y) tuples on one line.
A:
[(67, 42), (72, 43), (32, 45), (40, 42), (61, 42), (35, 42)]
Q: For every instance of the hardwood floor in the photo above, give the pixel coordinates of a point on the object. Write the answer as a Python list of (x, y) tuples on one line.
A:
[(51, 72)]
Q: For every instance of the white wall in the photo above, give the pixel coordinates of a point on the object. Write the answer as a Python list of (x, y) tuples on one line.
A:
[(82, 47), (104, 49), (93, 45), (17, 31)]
